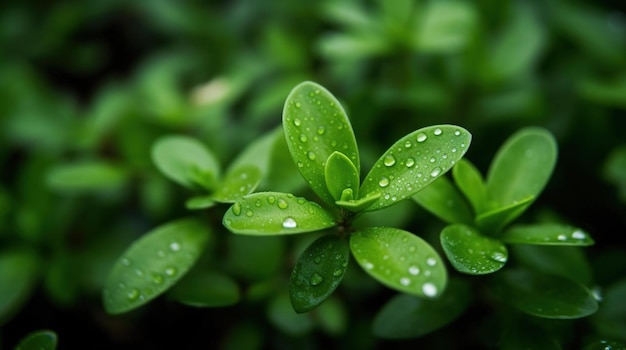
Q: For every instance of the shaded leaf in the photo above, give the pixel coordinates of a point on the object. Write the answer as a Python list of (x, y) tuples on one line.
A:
[(332, 316), (544, 295), (569, 262), (472, 253), (445, 26), (547, 234), (610, 319), (315, 126), (494, 220), (471, 183), (413, 162), (271, 213), (407, 316), (152, 264), (341, 174), (200, 202), (205, 289), (186, 161), (399, 260), (525, 335), (605, 345), (318, 272), (254, 258), (357, 205), (442, 199), (281, 314), (18, 273), (87, 175), (237, 183), (38, 340)]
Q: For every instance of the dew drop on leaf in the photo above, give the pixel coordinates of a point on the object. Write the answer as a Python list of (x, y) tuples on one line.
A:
[(282, 204), (429, 289), (311, 155), (316, 279), (578, 235), (297, 121), (421, 137), (289, 223), (431, 262), (174, 246), (409, 162), (414, 270), (133, 294), (436, 171), (171, 271), (437, 132), (384, 182), (389, 160), (405, 281), (236, 208), (321, 130)]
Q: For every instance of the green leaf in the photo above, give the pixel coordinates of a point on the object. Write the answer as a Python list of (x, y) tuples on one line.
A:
[(85, 176), (186, 161), (19, 270), (494, 220), (522, 166), (318, 272), (259, 152), (237, 183), (152, 264), (471, 183), (205, 289), (271, 213), (315, 126), (281, 314), (254, 258), (615, 170), (413, 162), (472, 253), (547, 234), (38, 340), (340, 174), (605, 345), (569, 262), (610, 320), (200, 202), (357, 205), (445, 26), (400, 260), (442, 199), (544, 295), (406, 316)]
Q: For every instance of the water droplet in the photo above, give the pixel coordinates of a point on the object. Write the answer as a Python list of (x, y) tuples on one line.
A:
[(389, 160), (384, 182), (301, 201), (561, 237), (498, 256), (414, 270), (125, 262), (435, 172), (437, 132), (133, 294), (432, 159), (338, 272), (297, 122), (236, 208), (257, 203), (298, 104), (289, 223), (409, 162), (157, 278), (457, 133), (578, 235), (429, 289), (311, 155), (412, 249), (431, 261), (316, 279), (282, 204), (138, 272), (171, 271), (321, 130), (174, 246), (421, 137), (405, 281), (453, 149), (249, 213), (303, 138), (317, 259), (271, 199), (300, 164), (368, 265)]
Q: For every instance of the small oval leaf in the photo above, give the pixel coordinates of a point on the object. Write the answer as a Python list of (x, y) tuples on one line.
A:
[(200, 202), (415, 161), (544, 295), (522, 166), (471, 183), (315, 126), (547, 234), (152, 264), (472, 253), (185, 161), (39, 340), (318, 272), (205, 289), (442, 199), (86, 176), (493, 221), (19, 270), (272, 213), (341, 174), (238, 183), (400, 260)]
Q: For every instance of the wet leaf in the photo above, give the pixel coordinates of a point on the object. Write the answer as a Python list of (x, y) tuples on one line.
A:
[(186, 161), (315, 126), (358, 205), (544, 295), (318, 272), (38, 340), (407, 316), (399, 260), (547, 234), (205, 289), (341, 174), (237, 183), (152, 264), (471, 183), (442, 199), (85, 176), (273, 213), (472, 253), (522, 166), (413, 162)]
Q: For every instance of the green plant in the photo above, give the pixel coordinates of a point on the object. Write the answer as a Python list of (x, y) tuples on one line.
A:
[(324, 149)]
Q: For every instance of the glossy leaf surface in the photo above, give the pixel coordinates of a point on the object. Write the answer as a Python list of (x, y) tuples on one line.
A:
[(569, 262), (205, 289), (91, 175), (318, 272), (186, 161), (472, 253), (315, 126), (39, 340), (442, 199), (547, 234), (407, 316), (237, 183), (544, 295), (471, 183), (152, 264), (399, 260), (272, 213), (341, 174), (522, 166), (413, 162)]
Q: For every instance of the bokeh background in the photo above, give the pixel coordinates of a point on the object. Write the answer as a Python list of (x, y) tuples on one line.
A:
[(93, 83)]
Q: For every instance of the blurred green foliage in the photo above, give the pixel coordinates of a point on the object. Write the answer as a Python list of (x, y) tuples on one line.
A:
[(87, 87)]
